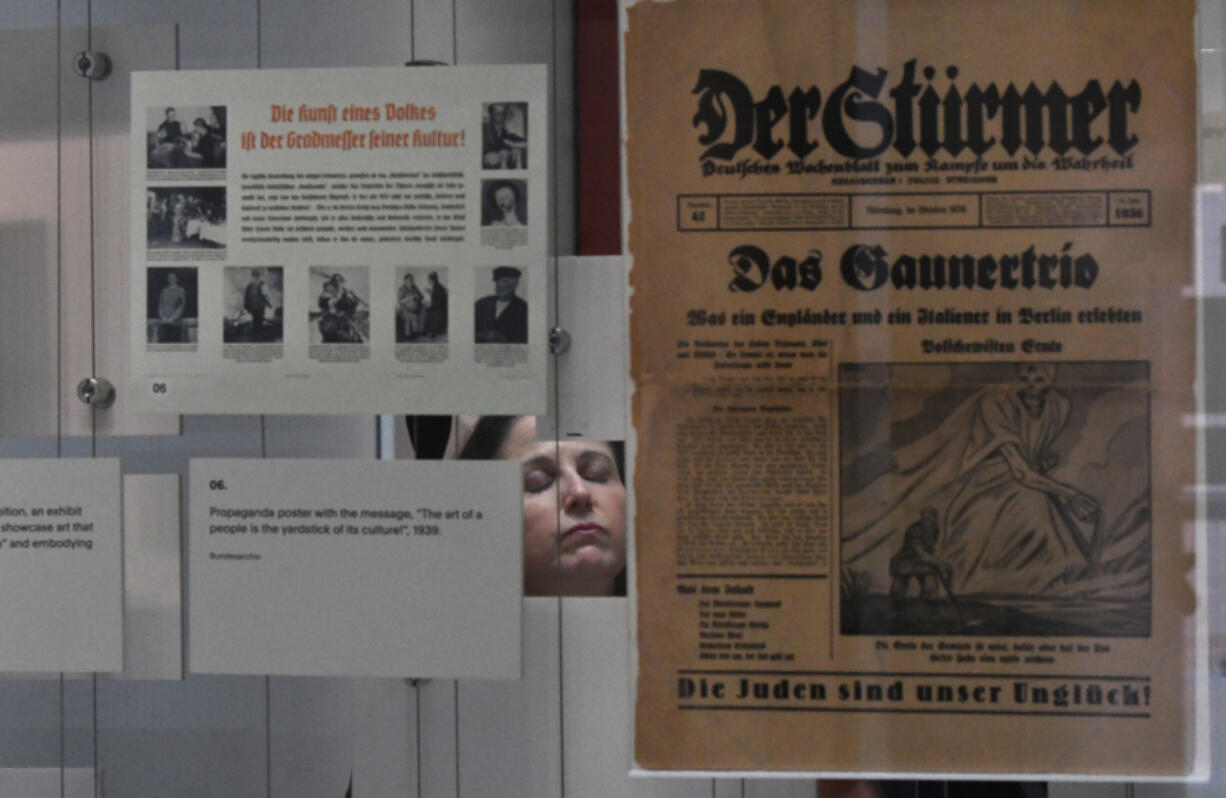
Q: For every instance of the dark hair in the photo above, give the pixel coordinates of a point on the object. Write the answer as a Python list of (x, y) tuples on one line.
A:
[(491, 432)]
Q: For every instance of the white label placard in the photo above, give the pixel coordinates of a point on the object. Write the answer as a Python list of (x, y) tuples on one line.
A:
[(299, 233), (61, 566), (355, 568)]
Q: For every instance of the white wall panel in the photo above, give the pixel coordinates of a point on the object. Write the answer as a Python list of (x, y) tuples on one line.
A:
[(322, 33), (437, 738), (28, 14), (592, 377), (434, 30), (93, 250), (131, 48), (597, 706), (205, 737), (76, 284), (311, 733), (509, 732), (532, 32), (47, 783), (152, 573), (320, 436), (780, 788), (384, 738), (218, 34), (1072, 789), (29, 722), (28, 232)]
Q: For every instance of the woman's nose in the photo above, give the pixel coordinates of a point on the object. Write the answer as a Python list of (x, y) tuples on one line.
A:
[(576, 495)]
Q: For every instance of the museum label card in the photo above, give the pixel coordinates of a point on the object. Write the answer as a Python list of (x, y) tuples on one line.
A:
[(355, 568), (61, 565)]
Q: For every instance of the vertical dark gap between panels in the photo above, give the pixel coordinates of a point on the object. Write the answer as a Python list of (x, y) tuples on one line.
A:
[(59, 261), (259, 34), (456, 710), (417, 734), (268, 736), (597, 129), (62, 763), (93, 344), (415, 686), (551, 263), (97, 759), (59, 236), (259, 63), (93, 309)]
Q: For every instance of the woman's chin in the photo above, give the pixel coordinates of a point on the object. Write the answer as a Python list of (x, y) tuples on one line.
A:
[(587, 572)]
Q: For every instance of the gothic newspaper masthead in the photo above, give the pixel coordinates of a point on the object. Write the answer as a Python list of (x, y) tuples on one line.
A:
[(912, 361)]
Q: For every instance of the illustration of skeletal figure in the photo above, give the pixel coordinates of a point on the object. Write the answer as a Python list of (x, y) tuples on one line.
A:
[(1011, 528)]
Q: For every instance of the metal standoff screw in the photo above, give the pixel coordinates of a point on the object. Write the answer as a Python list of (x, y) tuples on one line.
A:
[(96, 392), (94, 66), (559, 341)]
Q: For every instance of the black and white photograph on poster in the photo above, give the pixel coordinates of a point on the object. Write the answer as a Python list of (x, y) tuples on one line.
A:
[(171, 308), (185, 217), (999, 499), (500, 316), (504, 203), (504, 135), (421, 304), (185, 137), (339, 316), (254, 298), (504, 213)]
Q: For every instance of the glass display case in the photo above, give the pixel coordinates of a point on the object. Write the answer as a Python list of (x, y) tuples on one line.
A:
[(566, 725)]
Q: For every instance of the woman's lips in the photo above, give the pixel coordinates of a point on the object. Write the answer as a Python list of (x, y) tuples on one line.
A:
[(585, 533)]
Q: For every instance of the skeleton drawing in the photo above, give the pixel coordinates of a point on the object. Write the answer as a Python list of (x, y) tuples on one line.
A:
[(1037, 486)]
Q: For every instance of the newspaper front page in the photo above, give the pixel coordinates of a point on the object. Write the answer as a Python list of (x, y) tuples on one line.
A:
[(912, 355)]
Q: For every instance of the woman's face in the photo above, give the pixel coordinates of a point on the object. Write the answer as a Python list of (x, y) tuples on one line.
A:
[(574, 514)]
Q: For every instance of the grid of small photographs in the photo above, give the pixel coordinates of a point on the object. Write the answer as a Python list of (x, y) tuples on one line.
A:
[(504, 157), (500, 314), (185, 218)]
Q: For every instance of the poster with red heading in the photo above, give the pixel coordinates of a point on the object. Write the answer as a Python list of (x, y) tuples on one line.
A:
[(339, 240)]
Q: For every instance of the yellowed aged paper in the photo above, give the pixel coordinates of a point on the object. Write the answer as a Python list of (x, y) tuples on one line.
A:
[(911, 367)]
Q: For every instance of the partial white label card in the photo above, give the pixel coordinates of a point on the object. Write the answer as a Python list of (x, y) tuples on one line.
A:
[(355, 568), (340, 240), (61, 566)]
